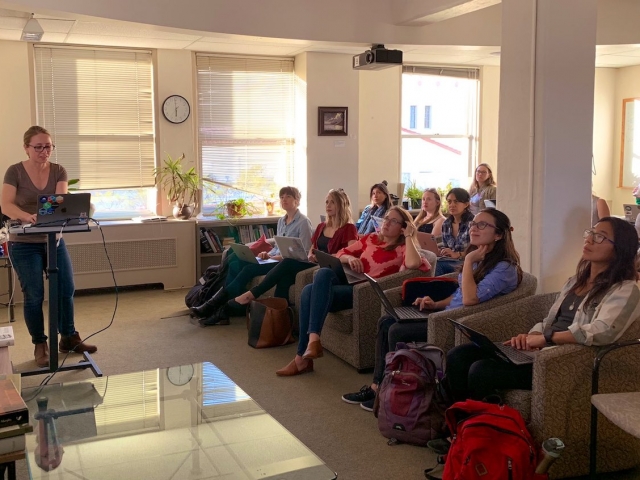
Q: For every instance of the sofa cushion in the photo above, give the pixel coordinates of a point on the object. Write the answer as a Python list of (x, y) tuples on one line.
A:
[(341, 321), (520, 400)]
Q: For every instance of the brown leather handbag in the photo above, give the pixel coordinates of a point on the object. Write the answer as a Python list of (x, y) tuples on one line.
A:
[(269, 321)]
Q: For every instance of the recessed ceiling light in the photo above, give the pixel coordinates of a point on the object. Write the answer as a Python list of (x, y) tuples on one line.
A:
[(495, 54)]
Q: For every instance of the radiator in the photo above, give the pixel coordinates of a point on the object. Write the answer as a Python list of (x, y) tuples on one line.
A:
[(125, 255)]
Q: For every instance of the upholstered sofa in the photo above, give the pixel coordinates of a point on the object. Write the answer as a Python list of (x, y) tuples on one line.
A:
[(559, 403), (441, 332)]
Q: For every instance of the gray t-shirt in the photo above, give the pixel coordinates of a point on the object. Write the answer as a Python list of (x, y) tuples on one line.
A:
[(27, 193)]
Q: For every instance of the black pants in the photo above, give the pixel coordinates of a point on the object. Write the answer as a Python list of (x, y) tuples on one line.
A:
[(472, 373), (389, 334), (282, 276)]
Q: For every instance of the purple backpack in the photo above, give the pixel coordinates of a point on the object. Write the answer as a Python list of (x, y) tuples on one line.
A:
[(408, 406)]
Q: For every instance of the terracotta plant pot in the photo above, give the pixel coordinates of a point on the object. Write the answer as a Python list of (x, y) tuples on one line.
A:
[(234, 210), (183, 212)]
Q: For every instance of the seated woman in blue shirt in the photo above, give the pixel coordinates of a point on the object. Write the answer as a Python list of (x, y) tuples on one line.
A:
[(491, 268), (455, 231), (240, 273), (380, 203)]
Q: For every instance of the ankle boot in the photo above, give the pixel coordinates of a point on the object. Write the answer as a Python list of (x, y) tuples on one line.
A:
[(210, 306), (75, 344), (41, 354)]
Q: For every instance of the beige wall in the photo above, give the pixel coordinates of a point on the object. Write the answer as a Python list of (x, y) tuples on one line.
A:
[(627, 86), (489, 109), (603, 131)]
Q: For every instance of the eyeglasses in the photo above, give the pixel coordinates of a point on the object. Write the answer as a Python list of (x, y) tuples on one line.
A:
[(392, 221), (480, 225), (40, 148), (597, 237), (483, 172)]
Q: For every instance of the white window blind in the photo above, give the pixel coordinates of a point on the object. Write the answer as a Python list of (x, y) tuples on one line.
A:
[(98, 106), (246, 121), (456, 72)]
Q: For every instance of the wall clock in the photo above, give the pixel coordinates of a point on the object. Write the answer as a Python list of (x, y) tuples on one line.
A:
[(180, 375), (176, 109)]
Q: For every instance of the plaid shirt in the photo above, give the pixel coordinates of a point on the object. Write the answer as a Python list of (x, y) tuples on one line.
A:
[(461, 242)]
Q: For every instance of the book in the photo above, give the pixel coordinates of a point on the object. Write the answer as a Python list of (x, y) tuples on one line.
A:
[(15, 430), (6, 336), (204, 243), (13, 410), (12, 444), (150, 219)]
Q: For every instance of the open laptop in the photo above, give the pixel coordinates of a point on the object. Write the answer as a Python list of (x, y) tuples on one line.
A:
[(56, 210), (506, 353), (631, 211), (344, 273), (428, 242), (291, 247), (401, 314), (244, 253)]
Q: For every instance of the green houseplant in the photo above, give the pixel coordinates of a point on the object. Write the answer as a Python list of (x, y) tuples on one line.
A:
[(180, 187), (414, 194)]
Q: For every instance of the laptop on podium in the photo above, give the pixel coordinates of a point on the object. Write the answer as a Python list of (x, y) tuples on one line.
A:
[(58, 211)]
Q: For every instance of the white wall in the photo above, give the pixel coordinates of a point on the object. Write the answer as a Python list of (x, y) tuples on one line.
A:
[(603, 135), (489, 112), (379, 146), (627, 86)]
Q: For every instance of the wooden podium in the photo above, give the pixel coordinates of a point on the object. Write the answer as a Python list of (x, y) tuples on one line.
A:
[(54, 300)]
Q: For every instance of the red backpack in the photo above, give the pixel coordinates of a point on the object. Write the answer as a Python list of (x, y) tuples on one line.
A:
[(489, 441)]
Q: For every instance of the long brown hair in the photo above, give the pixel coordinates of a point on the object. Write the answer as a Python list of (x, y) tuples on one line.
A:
[(475, 186), (621, 268), (406, 220), (503, 251), (434, 215), (32, 132), (343, 204)]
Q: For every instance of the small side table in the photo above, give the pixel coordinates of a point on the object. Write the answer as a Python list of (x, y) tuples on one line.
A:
[(5, 262), (8, 464)]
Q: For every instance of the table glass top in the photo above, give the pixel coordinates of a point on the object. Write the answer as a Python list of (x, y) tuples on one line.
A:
[(188, 422)]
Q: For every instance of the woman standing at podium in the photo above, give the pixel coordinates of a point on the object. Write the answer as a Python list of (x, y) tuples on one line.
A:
[(23, 182)]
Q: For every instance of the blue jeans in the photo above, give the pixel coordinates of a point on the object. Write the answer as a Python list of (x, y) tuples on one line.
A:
[(326, 294), (446, 265), (30, 262)]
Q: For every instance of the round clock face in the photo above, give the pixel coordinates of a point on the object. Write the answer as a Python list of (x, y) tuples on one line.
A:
[(176, 109), (180, 375)]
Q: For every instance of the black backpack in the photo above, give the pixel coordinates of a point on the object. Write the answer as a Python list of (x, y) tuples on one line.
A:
[(212, 281)]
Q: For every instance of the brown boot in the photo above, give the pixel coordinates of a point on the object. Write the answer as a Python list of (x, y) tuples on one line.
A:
[(74, 344), (41, 354)]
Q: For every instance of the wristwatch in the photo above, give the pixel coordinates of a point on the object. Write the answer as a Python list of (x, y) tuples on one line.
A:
[(547, 337)]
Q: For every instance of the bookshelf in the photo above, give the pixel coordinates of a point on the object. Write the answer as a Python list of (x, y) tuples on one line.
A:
[(242, 230)]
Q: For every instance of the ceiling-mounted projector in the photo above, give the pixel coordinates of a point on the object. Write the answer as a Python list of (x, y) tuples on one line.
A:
[(377, 58)]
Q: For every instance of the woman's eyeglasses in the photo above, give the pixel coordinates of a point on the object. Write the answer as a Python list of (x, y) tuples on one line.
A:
[(597, 237), (41, 148), (480, 225), (392, 221)]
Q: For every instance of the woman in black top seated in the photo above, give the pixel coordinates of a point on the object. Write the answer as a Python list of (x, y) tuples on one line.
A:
[(331, 236), (430, 218)]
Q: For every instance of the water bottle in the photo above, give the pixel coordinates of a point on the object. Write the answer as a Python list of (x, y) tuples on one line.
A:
[(552, 448)]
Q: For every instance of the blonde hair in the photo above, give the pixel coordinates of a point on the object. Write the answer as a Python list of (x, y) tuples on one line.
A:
[(419, 219), (32, 132), (343, 215), (475, 186)]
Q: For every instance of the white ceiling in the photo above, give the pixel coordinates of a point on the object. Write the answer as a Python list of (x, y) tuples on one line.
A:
[(82, 30)]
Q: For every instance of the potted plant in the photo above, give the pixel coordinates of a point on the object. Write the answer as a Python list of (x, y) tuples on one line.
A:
[(180, 187), (239, 208), (414, 194)]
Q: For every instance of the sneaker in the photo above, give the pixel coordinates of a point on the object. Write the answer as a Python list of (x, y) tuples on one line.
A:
[(365, 393), (368, 405)]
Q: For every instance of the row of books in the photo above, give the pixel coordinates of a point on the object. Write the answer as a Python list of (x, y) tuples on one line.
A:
[(251, 233), (14, 418), (210, 242)]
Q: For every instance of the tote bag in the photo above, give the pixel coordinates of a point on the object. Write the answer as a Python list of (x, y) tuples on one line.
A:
[(269, 322)]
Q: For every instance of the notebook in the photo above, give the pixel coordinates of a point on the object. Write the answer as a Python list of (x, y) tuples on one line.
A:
[(631, 211), (344, 273), (506, 353), (244, 253), (401, 314), (291, 247)]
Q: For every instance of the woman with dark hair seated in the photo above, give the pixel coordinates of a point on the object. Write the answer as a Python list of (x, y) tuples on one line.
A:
[(293, 224), (380, 203), (336, 233), (491, 268), (455, 231), (377, 254), (595, 307)]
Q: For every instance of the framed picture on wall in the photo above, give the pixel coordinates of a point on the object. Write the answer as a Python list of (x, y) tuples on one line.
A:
[(332, 120)]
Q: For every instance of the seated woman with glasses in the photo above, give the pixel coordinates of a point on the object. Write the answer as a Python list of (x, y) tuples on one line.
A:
[(337, 232), (377, 254), (491, 268), (455, 231), (595, 307)]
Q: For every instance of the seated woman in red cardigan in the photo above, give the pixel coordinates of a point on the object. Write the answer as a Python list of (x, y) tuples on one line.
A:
[(336, 233)]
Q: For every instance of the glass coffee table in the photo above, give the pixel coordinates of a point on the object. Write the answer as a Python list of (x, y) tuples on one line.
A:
[(187, 422)]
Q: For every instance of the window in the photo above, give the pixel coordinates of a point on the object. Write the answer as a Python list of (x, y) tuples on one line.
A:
[(245, 127), (436, 155), (427, 117), (98, 106), (630, 148)]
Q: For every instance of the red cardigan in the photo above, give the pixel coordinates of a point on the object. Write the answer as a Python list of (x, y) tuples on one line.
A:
[(340, 239)]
